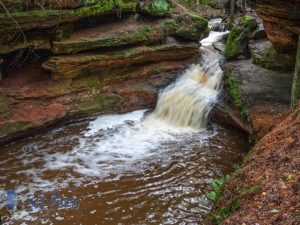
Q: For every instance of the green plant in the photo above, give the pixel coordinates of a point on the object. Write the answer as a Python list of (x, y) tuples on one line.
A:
[(216, 192), (236, 93), (225, 211)]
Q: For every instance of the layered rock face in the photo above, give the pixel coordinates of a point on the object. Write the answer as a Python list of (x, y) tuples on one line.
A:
[(281, 21), (70, 58)]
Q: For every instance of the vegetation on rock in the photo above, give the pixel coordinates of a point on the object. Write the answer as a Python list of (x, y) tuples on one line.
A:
[(237, 42), (263, 53), (192, 27), (156, 8)]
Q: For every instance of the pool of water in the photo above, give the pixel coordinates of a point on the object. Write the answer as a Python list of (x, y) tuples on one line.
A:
[(116, 169)]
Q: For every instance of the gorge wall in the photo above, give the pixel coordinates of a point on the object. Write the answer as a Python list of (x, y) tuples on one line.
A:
[(281, 21), (61, 59)]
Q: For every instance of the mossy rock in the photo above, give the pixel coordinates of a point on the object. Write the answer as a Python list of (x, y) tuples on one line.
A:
[(264, 54), (131, 33), (25, 5), (155, 8), (238, 39), (235, 92), (100, 103), (191, 27), (249, 23), (45, 18), (13, 127), (234, 45)]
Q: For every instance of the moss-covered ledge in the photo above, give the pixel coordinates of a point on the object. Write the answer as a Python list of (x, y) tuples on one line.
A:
[(45, 18)]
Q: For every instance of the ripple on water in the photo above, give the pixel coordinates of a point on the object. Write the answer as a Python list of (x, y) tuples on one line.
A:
[(125, 168)]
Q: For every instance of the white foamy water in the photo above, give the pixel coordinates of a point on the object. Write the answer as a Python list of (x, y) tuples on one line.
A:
[(189, 101), (113, 142)]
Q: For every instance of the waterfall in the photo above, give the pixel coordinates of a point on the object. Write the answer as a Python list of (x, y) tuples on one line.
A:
[(188, 102)]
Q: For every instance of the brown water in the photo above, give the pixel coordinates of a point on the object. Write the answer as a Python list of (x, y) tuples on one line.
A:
[(122, 169)]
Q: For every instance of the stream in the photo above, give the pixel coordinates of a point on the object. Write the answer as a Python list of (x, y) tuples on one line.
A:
[(142, 167)]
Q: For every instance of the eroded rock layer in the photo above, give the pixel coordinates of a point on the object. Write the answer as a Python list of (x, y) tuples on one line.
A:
[(79, 58), (281, 21)]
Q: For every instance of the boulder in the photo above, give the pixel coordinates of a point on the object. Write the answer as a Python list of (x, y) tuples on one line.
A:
[(191, 27), (260, 33), (155, 8), (237, 42), (263, 53)]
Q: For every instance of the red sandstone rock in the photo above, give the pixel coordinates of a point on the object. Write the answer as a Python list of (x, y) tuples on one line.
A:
[(281, 20)]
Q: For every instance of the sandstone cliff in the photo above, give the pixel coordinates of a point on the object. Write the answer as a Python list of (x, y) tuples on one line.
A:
[(62, 59), (281, 21)]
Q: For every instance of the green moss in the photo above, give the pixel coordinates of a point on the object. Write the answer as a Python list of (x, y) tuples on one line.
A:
[(157, 8), (55, 16), (236, 93), (94, 84), (237, 41), (170, 26), (233, 47), (192, 27), (269, 58), (99, 103), (144, 35), (13, 127), (249, 23), (225, 211)]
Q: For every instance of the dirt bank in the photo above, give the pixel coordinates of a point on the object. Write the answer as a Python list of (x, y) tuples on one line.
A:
[(265, 190)]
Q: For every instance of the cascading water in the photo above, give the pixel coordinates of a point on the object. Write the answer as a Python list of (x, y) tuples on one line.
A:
[(189, 101), (130, 168)]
